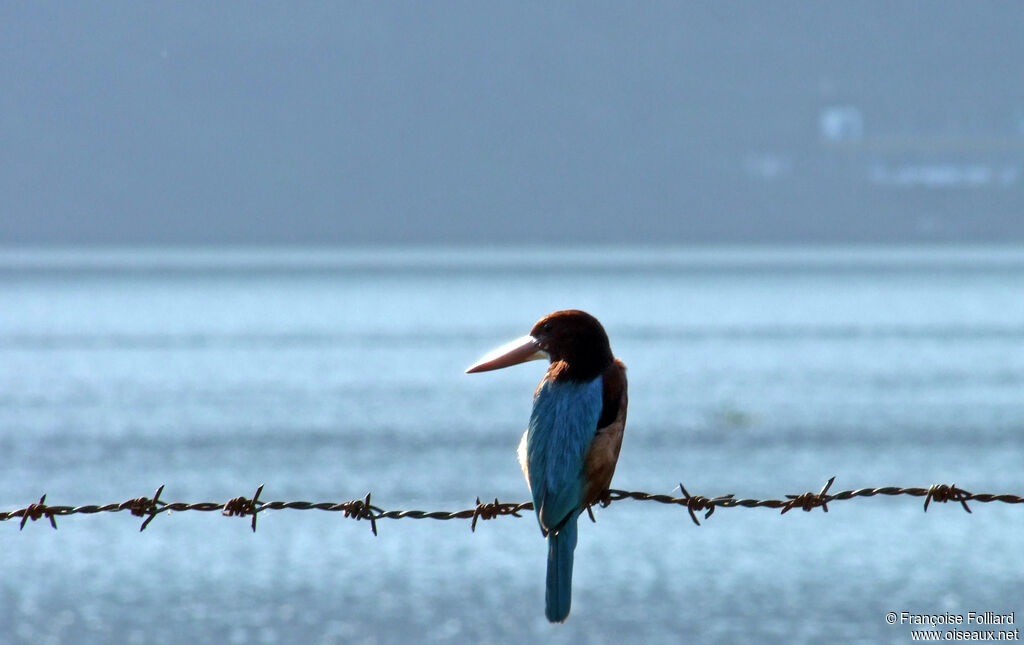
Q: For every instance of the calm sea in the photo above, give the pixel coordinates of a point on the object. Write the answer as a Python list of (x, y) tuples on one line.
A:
[(329, 374)]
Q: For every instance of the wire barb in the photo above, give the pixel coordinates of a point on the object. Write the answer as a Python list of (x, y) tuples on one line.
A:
[(943, 493), (144, 506), (491, 510), (810, 501), (361, 509), (242, 506), (35, 511), (697, 503)]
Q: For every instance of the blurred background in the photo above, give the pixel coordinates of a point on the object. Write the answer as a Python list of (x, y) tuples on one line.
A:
[(259, 244), (467, 122)]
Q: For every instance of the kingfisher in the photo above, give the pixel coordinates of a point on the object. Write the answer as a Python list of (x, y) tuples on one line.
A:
[(569, 450)]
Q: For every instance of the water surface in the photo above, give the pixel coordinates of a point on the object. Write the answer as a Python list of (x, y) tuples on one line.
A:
[(327, 374)]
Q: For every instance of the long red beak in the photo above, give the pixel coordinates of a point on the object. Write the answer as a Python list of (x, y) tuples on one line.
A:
[(518, 351)]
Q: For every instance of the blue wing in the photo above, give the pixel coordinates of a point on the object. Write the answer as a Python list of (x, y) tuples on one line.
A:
[(562, 426)]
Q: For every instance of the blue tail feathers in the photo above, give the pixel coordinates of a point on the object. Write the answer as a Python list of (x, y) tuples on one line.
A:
[(561, 546)]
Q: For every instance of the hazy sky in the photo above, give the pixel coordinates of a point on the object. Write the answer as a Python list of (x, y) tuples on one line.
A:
[(462, 122)]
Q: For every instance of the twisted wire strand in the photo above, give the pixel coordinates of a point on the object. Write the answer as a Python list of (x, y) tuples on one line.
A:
[(364, 509)]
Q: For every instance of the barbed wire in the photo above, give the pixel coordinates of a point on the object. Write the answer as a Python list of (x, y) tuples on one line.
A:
[(363, 509)]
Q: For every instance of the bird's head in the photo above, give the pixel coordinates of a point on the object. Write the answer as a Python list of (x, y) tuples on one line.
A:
[(573, 340)]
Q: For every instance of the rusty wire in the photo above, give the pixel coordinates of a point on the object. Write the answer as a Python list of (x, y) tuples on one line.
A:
[(363, 509)]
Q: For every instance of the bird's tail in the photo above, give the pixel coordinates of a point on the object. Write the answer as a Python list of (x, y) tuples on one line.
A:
[(561, 546)]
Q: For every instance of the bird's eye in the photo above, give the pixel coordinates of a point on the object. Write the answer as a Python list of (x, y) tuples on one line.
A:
[(546, 326)]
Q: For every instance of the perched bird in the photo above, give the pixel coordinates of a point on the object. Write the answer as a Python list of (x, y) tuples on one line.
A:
[(569, 451)]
